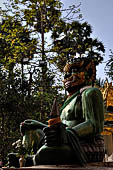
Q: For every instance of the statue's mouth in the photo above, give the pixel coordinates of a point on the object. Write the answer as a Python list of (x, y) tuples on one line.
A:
[(67, 84)]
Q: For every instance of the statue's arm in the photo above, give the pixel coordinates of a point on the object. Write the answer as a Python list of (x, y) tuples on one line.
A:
[(30, 124), (93, 112)]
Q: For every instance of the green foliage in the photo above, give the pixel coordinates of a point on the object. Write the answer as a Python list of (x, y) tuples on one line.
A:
[(15, 43), (16, 106), (35, 12), (109, 66), (73, 39), (20, 149), (99, 82)]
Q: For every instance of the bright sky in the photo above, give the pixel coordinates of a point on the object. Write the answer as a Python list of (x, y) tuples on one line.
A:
[(99, 14)]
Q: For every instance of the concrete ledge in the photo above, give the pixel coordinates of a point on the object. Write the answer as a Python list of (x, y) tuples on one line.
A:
[(91, 166)]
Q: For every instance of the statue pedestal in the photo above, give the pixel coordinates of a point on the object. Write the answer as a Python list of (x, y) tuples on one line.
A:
[(91, 166)]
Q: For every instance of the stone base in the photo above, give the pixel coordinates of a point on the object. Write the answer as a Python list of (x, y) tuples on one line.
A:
[(91, 166)]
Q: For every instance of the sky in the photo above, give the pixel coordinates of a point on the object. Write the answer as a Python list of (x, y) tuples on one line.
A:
[(99, 14)]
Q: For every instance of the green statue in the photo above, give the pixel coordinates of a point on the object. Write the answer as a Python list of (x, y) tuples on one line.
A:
[(72, 135)]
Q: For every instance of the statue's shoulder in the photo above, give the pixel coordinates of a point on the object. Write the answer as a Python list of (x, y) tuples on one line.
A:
[(91, 92)]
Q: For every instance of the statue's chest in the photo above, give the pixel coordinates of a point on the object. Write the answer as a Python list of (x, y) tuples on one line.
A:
[(72, 112)]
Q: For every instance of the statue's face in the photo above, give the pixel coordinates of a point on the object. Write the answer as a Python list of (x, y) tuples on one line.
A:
[(78, 74), (68, 79), (73, 80)]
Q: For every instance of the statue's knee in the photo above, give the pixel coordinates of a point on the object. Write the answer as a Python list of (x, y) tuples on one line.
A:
[(53, 155)]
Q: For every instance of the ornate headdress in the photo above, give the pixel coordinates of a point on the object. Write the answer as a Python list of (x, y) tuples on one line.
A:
[(80, 71)]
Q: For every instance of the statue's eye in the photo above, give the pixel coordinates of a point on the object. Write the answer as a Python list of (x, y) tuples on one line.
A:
[(67, 75)]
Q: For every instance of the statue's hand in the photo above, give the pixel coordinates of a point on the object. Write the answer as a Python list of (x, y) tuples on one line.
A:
[(55, 135), (51, 136)]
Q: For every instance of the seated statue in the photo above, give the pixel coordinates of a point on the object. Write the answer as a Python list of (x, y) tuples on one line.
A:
[(72, 135)]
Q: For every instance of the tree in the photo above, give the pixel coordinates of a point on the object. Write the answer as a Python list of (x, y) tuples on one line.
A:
[(75, 39), (109, 66), (15, 42), (41, 18), (100, 83)]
